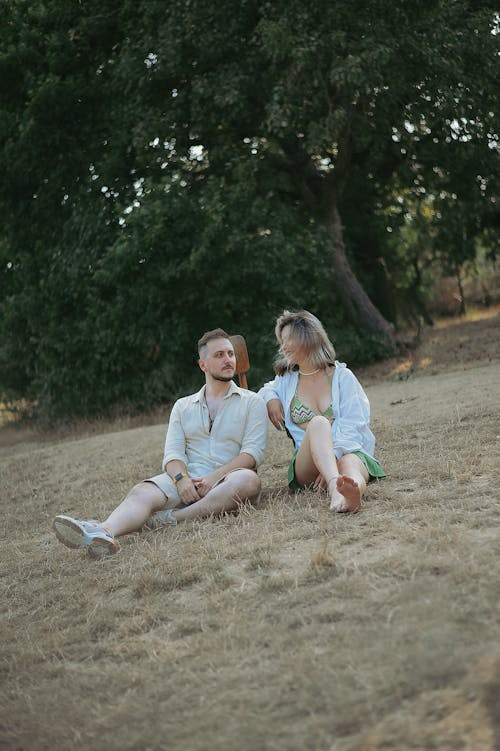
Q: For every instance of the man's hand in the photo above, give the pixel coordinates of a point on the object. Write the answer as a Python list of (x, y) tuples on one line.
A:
[(187, 491), (204, 484), (276, 414)]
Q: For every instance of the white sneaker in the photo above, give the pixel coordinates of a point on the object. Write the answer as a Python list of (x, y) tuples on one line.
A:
[(160, 519), (90, 536)]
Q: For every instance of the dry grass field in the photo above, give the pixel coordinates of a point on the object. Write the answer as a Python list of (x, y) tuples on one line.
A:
[(283, 628)]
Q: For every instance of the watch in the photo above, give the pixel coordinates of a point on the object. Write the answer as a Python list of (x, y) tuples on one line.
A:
[(179, 476)]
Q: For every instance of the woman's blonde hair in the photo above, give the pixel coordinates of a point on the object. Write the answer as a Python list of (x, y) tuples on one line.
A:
[(308, 332)]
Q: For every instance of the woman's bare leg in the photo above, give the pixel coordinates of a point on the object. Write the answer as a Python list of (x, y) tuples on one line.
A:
[(348, 490), (316, 455), (344, 480)]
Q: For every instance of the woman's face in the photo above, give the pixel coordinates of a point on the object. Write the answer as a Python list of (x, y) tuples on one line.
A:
[(290, 347)]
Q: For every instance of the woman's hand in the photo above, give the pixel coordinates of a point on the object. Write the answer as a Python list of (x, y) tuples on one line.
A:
[(276, 413), (319, 484)]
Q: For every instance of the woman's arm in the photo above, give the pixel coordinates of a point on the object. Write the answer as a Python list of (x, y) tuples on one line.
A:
[(351, 428), (272, 393)]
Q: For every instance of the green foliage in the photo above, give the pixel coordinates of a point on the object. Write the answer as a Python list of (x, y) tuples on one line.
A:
[(120, 326), (169, 168)]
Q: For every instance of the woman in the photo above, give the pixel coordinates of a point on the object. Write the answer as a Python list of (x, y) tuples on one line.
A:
[(322, 406)]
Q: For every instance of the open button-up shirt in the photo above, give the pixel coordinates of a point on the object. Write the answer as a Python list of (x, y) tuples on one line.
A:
[(351, 410), (240, 426)]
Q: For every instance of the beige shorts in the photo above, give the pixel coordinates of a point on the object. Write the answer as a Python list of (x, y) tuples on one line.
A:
[(169, 489)]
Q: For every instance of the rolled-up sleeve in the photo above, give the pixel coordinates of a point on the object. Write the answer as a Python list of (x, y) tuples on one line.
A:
[(255, 433), (175, 441), (272, 390)]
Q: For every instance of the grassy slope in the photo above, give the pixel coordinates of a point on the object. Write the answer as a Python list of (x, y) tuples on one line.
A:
[(284, 627)]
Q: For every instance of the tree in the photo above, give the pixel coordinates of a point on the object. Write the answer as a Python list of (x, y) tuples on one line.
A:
[(164, 162), (317, 90)]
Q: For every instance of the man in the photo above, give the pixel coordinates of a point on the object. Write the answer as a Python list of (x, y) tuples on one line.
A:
[(215, 441)]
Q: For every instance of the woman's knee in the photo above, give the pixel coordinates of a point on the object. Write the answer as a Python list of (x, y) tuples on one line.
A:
[(319, 422)]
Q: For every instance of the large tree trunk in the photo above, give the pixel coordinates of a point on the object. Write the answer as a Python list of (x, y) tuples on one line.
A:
[(360, 309)]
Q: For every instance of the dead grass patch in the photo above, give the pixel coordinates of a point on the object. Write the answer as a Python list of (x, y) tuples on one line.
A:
[(284, 627)]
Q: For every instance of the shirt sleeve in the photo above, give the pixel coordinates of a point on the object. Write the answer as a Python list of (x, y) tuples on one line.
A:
[(255, 434), (175, 441), (271, 390), (352, 423)]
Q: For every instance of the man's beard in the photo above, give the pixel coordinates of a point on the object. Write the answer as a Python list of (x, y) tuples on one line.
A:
[(224, 379)]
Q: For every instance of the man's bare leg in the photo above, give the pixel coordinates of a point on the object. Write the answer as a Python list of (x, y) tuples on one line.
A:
[(99, 539), (146, 498), (143, 500), (240, 485)]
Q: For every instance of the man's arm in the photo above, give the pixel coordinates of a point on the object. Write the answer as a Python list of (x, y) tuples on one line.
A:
[(185, 486), (255, 434), (175, 440), (174, 457), (252, 448)]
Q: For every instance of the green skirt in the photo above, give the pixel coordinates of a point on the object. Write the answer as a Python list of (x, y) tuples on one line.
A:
[(374, 469)]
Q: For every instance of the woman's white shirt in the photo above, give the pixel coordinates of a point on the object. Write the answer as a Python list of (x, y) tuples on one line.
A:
[(351, 410)]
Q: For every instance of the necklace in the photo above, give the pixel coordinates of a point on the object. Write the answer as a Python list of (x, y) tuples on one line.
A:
[(312, 372)]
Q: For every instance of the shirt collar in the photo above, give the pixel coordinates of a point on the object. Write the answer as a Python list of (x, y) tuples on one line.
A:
[(233, 389)]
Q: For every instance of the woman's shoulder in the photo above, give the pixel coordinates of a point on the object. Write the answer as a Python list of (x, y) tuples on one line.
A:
[(340, 369), (343, 373), (284, 374), (288, 377), (280, 381)]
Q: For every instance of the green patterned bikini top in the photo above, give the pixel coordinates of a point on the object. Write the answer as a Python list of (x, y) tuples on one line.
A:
[(301, 413)]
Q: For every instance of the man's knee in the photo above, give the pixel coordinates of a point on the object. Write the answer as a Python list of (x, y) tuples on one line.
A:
[(147, 492), (247, 484)]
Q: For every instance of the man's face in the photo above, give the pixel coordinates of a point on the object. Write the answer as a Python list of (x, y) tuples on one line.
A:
[(217, 359)]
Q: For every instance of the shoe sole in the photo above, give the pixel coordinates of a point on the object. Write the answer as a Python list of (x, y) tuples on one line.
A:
[(73, 535)]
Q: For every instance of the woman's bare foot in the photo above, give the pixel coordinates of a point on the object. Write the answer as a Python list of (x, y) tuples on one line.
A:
[(346, 496)]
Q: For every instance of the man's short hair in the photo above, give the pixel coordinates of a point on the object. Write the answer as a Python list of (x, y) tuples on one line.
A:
[(208, 336)]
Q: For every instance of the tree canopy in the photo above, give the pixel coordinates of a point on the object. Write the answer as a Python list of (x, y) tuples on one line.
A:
[(173, 167)]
